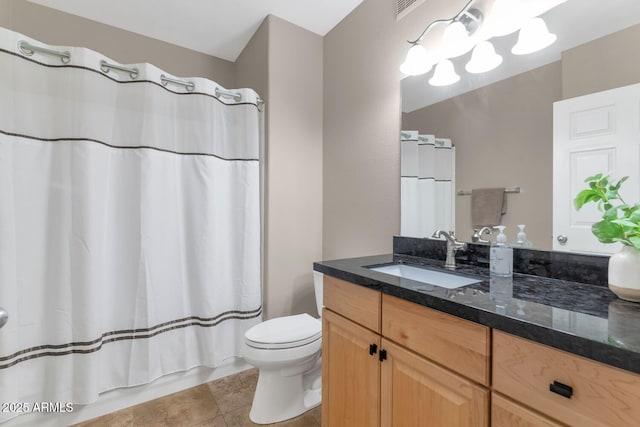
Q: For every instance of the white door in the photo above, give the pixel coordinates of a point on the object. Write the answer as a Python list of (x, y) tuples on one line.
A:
[(596, 133)]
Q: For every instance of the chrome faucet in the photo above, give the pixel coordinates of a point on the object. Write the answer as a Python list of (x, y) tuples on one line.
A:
[(452, 246), (476, 237)]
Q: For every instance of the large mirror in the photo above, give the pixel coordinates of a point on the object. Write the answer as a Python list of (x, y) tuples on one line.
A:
[(501, 122)]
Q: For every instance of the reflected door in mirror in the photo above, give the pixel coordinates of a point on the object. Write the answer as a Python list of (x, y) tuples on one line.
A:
[(596, 133)]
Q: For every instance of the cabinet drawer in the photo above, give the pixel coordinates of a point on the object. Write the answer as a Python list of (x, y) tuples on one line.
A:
[(506, 413), (455, 343), (354, 302), (601, 395)]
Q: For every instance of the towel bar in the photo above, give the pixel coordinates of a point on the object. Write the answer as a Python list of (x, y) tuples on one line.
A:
[(506, 190)]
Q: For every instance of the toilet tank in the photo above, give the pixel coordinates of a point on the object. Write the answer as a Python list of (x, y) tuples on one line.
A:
[(317, 285)]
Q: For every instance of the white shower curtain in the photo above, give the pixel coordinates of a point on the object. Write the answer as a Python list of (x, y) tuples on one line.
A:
[(129, 224), (427, 167)]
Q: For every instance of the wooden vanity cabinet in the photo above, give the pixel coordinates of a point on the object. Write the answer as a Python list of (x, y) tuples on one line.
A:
[(392, 363), (368, 380)]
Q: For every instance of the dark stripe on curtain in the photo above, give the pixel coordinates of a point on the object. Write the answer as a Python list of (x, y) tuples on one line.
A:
[(125, 334), (123, 147)]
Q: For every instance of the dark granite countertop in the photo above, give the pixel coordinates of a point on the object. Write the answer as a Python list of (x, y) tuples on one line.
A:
[(583, 319)]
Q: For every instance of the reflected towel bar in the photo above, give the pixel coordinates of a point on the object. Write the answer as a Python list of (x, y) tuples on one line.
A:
[(506, 190)]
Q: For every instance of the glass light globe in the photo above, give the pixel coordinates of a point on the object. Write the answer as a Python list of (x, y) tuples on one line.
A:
[(444, 75), (533, 37), (455, 40), (505, 17), (483, 58), (417, 62)]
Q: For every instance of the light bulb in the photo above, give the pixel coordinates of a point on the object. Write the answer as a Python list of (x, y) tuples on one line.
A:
[(533, 37), (444, 75), (455, 40), (417, 62), (483, 58), (506, 17)]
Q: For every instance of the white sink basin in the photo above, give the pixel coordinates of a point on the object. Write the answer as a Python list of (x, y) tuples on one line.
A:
[(431, 277)]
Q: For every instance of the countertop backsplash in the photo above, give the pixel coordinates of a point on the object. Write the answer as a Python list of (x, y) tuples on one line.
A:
[(590, 269)]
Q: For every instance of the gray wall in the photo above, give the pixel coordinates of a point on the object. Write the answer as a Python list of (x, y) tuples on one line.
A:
[(58, 28), (605, 63), (294, 167), (361, 190), (285, 62)]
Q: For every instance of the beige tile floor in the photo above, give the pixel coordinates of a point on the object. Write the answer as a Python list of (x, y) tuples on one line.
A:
[(222, 403)]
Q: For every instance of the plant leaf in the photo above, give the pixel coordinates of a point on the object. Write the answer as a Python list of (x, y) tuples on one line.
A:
[(610, 214), (635, 242), (582, 198), (634, 216), (607, 231), (619, 183), (625, 222), (596, 177)]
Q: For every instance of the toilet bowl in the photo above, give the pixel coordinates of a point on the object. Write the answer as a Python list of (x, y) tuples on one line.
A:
[(286, 351)]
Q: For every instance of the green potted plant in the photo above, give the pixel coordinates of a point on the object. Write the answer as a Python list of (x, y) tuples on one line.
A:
[(620, 223)]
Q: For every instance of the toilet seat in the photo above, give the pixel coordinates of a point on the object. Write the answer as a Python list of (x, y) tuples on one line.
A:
[(284, 332)]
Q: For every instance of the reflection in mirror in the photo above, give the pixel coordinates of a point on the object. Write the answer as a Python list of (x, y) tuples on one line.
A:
[(502, 125), (427, 183)]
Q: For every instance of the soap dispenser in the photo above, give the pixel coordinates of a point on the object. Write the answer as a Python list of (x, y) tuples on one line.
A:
[(501, 256), (522, 237)]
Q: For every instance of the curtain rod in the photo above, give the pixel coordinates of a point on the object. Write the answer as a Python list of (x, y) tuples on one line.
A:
[(133, 71), (28, 49), (166, 80), (228, 94)]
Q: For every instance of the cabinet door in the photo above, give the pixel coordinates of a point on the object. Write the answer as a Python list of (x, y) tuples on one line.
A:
[(417, 392), (350, 374)]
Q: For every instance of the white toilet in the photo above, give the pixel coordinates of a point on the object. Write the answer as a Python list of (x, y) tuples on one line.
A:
[(286, 350)]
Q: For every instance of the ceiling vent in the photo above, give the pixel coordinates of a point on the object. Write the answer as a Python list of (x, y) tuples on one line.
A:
[(403, 7)]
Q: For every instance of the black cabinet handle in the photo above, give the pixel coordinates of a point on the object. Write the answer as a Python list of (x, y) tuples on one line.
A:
[(373, 349), (383, 355), (561, 389)]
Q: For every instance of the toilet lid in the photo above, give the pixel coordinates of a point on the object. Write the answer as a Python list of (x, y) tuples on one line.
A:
[(285, 332)]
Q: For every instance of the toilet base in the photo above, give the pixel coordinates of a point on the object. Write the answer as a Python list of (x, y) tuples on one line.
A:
[(279, 397)]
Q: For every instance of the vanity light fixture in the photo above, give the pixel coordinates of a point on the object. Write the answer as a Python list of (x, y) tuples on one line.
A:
[(471, 29)]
